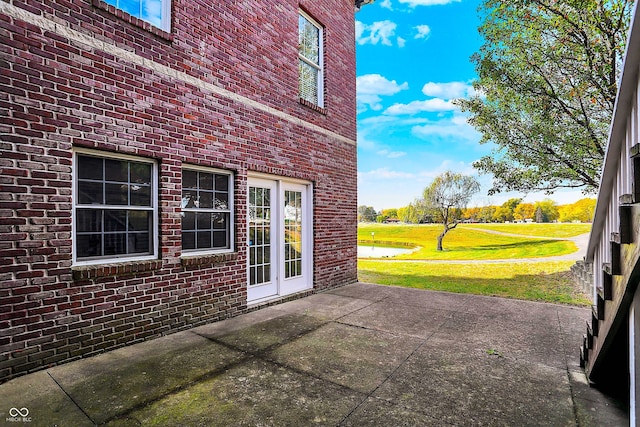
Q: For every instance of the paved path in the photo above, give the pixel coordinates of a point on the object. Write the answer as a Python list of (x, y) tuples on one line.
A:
[(360, 355)]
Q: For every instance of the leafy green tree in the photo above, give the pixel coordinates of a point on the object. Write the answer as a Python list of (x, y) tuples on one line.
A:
[(366, 214), (487, 213), (582, 211), (390, 213), (415, 213), (548, 73), (546, 211), (524, 211), (447, 195), (506, 211)]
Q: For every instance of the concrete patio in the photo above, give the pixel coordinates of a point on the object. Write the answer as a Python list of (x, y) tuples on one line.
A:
[(355, 356)]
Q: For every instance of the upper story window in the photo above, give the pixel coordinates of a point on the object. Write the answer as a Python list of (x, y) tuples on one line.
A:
[(310, 64), (114, 208), (156, 12), (207, 200)]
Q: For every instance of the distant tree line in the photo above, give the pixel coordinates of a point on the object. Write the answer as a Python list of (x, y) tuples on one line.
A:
[(513, 210)]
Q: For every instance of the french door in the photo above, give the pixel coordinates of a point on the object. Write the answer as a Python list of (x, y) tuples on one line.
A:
[(280, 247)]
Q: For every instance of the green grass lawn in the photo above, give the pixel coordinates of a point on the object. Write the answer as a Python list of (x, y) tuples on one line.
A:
[(467, 243), (547, 281), (545, 230), (539, 281)]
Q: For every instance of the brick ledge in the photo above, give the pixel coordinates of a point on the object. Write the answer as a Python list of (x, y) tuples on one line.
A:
[(204, 260), (116, 269)]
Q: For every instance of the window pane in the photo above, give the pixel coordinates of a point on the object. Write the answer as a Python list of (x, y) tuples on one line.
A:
[(204, 221), (116, 194), (200, 192), (116, 170), (220, 239), (88, 220), (308, 84), (222, 183), (139, 221), (206, 200), (205, 181), (110, 232), (115, 244), (115, 220), (309, 40), (152, 11), (188, 221), (188, 240), (140, 173), (219, 221), (89, 192), (89, 245), (204, 239), (138, 243), (89, 167), (130, 6), (189, 198), (189, 179), (140, 195), (222, 201)]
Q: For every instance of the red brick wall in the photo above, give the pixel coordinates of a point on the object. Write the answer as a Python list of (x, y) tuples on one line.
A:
[(60, 91)]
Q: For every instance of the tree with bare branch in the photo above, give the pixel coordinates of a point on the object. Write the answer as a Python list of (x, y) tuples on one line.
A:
[(447, 195)]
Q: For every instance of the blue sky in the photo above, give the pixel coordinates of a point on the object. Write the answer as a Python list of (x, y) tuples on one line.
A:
[(413, 58)]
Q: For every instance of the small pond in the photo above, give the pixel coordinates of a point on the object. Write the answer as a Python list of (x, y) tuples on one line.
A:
[(381, 251)]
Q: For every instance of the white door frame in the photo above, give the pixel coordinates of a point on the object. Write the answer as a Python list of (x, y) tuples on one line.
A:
[(262, 280), (280, 285)]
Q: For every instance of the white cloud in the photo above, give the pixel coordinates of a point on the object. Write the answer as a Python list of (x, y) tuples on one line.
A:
[(391, 154), (386, 4), (450, 90), (401, 42), (425, 175), (414, 3), (388, 188), (423, 32), (414, 107), (456, 128), (378, 32), (385, 173), (370, 88)]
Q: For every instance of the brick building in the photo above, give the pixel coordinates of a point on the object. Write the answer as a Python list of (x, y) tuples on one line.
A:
[(167, 165)]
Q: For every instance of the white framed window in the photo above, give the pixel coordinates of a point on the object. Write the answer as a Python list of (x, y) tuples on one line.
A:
[(156, 12), (310, 62), (114, 208), (207, 217)]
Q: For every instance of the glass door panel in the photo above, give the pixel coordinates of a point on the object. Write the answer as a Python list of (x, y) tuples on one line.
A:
[(261, 278), (292, 234)]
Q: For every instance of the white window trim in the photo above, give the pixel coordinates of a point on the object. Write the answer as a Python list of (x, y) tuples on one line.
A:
[(230, 210), (154, 205), (320, 65)]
